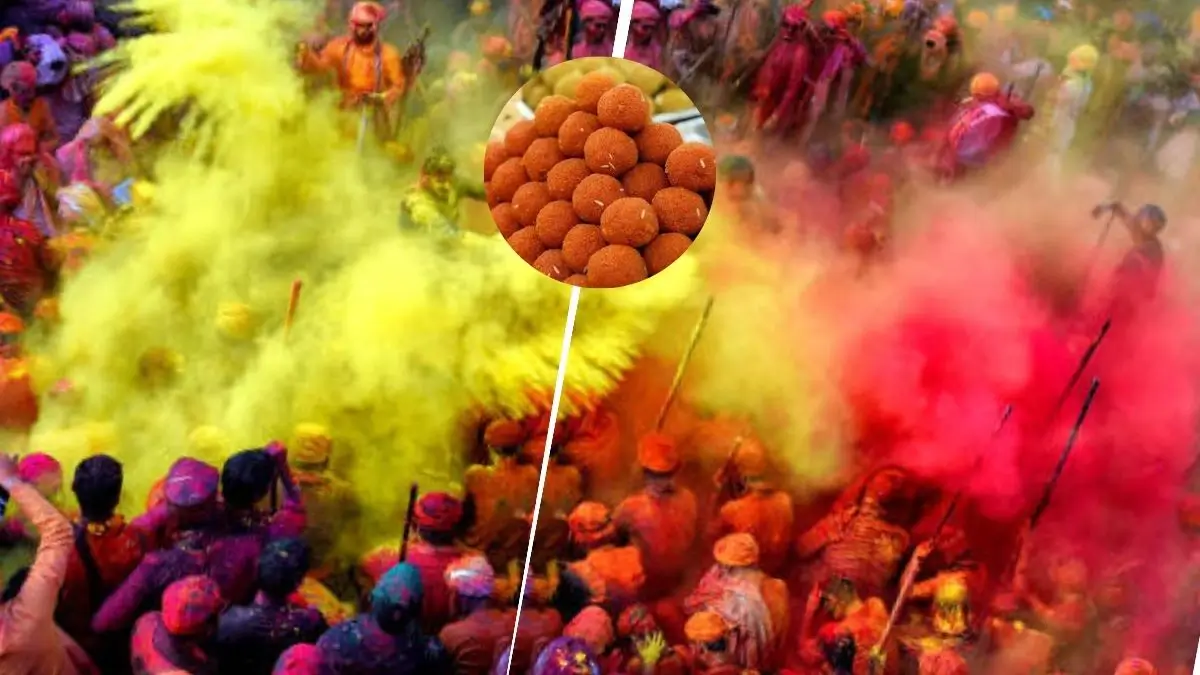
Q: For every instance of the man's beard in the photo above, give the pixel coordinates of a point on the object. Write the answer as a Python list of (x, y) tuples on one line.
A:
[(364, 37)]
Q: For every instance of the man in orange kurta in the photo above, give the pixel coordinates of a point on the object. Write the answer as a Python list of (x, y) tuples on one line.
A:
[(760, 510), (369, 72), (500, 498), (661, 519)]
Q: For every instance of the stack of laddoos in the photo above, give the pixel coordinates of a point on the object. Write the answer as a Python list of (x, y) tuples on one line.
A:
[(591, 192)]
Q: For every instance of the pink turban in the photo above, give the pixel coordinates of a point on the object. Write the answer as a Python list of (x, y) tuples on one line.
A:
[(33, 467), (18, 71), (593, 626), (595, 9), (645, 10)]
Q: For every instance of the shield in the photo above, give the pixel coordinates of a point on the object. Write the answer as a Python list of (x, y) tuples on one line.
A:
[(977, 134)]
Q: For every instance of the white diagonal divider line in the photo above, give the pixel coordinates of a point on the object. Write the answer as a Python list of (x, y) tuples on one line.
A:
[(568, 331), (624, 18), (1196, 665)]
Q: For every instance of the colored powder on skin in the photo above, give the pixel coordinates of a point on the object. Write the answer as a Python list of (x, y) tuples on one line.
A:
[(397, 344)]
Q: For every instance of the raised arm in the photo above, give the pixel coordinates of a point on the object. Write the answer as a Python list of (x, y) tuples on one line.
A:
[(33, 608)]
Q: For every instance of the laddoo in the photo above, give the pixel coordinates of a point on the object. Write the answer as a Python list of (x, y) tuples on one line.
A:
[(615, 266), (519, 138), (542, 155), (493, 156), (528, 201), (551, 112), (574, 132), (644, 180), (527, 245), (552, 264), (629, 221), (591, 192), (565, 177), (594, 194), (591, 87), (664, 250), (623, 107), (656, 142), (692, 166), (554, 221), (506, 220), (580, 244), (610, 151), (509, 177), (679, 210)]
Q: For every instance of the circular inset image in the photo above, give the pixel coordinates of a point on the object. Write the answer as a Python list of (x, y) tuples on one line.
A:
[(603, 172)]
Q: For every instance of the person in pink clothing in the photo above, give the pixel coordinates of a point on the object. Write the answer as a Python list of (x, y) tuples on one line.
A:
[(30, 642), (437, 517), (646, 36), (177, 640), (597, 26)]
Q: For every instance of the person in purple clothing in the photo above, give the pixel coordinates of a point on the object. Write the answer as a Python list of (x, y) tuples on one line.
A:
[(388, 640), (190, 513), (251, 639), (246, 481)]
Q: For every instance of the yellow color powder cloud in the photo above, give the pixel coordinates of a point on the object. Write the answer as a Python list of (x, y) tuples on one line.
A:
[(173, 334)]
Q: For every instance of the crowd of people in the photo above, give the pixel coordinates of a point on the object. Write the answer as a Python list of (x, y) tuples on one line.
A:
[(239, 569)]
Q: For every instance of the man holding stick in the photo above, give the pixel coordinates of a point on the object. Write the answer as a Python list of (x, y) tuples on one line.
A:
[(369, 72)]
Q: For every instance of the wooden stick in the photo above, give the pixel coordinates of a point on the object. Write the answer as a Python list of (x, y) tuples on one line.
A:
[(683, 363), (293, 304), (413, 492)]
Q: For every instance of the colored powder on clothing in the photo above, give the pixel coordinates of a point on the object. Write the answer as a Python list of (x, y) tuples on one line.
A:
[(396, 344)]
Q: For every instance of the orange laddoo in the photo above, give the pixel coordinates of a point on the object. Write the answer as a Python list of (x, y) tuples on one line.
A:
[(519, 137), (490, 195), (493, 157), (574, 132), (542, 155), (624, 107), (506, 221), (656, 142), (692, 166), (509, 177), (565, 177), (552, 264), (528, 201), (580, 244), (525, 242), (554, 221), (594, 194), (590, 88), (610, 152), (644, 180), (629, 221), (551, 112), (576, 280), (615, 266), (680, 210), (664, 250)]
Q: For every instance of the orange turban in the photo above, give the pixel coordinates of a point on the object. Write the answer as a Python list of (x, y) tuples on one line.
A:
[(985, 85), (11, 324), (751, 460), (367, 13), (657, 453), (504, 434), (705, 627), (591, 523), (736, 550)]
